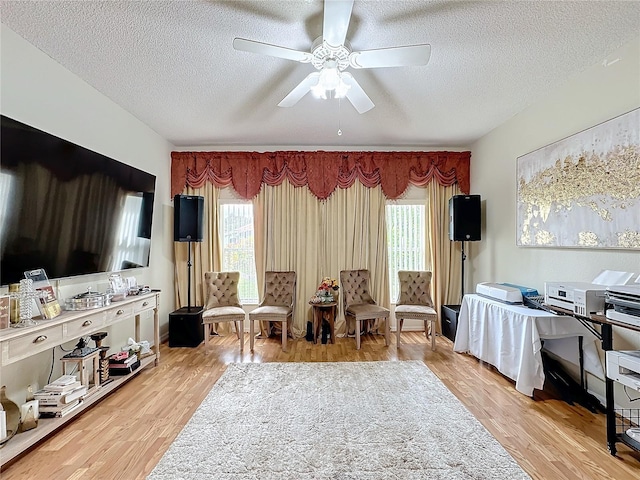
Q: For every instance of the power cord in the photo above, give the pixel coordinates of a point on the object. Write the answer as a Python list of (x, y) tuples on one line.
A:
[(53, 360)]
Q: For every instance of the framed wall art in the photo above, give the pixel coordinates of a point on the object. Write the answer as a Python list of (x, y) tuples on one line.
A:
[(583, 190)]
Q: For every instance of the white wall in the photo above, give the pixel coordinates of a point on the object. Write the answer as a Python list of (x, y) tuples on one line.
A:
[(38, 91), (596, 95)]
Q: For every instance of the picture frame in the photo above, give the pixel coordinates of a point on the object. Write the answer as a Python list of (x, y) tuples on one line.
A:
[(582, 191)]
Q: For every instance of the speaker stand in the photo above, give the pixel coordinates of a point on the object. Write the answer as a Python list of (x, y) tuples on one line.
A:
[(189, 276), (464, 257)]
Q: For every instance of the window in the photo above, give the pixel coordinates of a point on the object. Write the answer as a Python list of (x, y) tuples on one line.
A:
[(405, 241), (6, 193), (130, 250), (236, 220)]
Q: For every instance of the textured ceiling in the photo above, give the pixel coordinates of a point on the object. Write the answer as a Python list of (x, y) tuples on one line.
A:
[(172, 65)]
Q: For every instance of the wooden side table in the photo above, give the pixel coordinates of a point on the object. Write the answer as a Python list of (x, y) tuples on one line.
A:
[(324, 311), (88, 369)]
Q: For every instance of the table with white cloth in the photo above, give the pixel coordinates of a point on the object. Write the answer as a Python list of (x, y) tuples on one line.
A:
[(509, 337)]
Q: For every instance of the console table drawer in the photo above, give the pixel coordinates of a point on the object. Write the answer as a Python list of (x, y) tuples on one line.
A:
[(118, 313), (146, 304), (83, 326), (22, 347)]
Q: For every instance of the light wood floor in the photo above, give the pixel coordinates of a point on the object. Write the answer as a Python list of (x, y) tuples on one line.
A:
[(124, 436)]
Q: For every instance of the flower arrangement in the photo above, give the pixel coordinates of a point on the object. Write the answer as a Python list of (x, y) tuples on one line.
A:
[(328, 284), (327, 291)]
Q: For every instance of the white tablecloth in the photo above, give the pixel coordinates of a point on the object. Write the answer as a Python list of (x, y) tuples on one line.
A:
[(509, 337)]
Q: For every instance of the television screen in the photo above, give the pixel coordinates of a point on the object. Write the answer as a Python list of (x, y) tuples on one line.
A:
[(68, 209)]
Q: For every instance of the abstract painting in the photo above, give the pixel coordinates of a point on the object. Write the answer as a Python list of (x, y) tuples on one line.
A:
[(583, 191)]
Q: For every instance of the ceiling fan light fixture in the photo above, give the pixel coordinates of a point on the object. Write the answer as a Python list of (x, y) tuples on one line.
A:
[(342, 89), (330, 80), (319, 91)]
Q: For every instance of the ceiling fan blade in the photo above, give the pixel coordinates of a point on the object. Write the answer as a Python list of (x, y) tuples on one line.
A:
[(410, 55), (300, 90), (337, 14), (252, 46), (360, 100)]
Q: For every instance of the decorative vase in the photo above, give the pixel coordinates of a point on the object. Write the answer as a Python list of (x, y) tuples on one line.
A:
[(12, 413), (335, 294)]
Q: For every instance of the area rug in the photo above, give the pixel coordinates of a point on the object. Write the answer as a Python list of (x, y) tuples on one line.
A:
[(339, 421)]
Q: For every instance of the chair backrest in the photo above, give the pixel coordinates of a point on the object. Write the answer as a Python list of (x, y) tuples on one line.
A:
[(279, 289), (415, 288), (355, 287), (221, 289)]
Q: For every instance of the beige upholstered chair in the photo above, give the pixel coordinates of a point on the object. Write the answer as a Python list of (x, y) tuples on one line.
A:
[(414, 302), (222, 303), (358, 304), (278, 303)]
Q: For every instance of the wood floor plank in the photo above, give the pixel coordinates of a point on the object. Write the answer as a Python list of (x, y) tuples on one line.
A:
[(126, 434)]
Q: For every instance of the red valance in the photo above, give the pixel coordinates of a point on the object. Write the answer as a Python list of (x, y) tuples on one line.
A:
[(321, 171)]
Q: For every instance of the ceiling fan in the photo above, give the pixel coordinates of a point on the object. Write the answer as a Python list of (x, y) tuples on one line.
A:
[(331, 55)]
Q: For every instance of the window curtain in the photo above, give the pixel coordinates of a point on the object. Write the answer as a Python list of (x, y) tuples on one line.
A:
[(287, 236), (356, 238), (206, 256), (322, 172), (444, 256), (318, 239)]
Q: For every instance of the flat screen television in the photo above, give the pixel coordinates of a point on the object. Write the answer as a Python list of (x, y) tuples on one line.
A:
[(68, 209)]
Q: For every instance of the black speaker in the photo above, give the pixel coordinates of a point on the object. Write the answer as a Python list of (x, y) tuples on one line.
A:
[(464, 218), (449, 316), (187, 218), (185, 327)]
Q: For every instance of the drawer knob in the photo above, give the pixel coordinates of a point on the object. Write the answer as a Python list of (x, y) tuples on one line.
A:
[(145, 304), (40, 339), (120, 312), (86, 323)]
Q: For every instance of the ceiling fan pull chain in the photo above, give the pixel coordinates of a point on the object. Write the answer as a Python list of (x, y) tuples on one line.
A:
[(339, 115)]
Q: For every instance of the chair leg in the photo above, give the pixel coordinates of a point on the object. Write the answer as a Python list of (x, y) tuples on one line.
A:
[(241, 333), (357, 334), (386, 331), (432, 332), (207, 337), (236, 324), (251, 328), (284, 335), (398, 330)]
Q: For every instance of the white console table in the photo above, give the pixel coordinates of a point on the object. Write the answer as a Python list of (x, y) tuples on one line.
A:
[(509, 337), (19, 343)]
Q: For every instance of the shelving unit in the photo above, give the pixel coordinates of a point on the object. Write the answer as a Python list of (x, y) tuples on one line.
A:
[(17, 344), (605, 335)]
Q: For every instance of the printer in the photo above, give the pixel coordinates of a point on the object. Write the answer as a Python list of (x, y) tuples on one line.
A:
[(583, 298), (505, 292), (579, 297), (625, 303), (624, 367)]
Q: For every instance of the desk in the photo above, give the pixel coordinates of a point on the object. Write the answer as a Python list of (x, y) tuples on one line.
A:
[(509, 337), (324, 311)]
